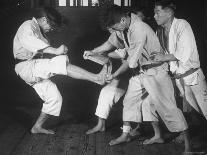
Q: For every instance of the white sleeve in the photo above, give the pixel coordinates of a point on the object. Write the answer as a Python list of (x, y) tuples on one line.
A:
[(30, 40), (121, 52), (184, 43), (138, 38)]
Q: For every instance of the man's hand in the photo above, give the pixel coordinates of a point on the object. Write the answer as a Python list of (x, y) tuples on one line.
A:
[(87, 53), (109, 78), (62, 50), (157, 57)]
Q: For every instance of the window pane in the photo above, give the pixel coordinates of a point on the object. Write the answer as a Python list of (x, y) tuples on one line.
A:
[(117, 2), (62, 2)]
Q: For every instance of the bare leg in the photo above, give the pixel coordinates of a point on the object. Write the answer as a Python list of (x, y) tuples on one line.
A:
[(124, 136), (135, 132), (37, 128), (157, 137), (186, 137), (82, 74), (99, 127)]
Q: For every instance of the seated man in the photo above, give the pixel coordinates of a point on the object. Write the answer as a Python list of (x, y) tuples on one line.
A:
[(29, 42)]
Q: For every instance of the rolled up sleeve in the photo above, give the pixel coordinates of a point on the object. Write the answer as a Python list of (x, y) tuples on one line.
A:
[(116, 40)]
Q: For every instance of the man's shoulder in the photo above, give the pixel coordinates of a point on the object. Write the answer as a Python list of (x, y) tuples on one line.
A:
[(26, 24), (181, 23)]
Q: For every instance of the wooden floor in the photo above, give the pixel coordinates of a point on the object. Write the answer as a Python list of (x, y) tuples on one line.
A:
[(15, 139)]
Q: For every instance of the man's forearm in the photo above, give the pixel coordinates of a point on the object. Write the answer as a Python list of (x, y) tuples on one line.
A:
[(169, 57), (124, 67), (107, 46), (50, 50)]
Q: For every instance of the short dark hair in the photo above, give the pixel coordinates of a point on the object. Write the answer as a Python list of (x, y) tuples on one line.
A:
[(166, 4), (52, 15), (111, 15)]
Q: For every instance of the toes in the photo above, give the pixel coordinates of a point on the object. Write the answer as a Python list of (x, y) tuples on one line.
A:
[(153, 141), (41, 131)]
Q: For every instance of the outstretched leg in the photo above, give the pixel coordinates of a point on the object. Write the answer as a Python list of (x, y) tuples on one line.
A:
[(37, 128), (82, 74), (99, 127), (186, 138)]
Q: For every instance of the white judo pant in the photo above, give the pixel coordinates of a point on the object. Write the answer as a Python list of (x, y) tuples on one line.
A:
[(195, 95), (161, 95), (137, 103), (111, 94), (37, 73)]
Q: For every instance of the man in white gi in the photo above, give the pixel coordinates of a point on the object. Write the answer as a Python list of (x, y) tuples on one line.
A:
[(29, 42), (140, 42), (179, 45), (116, 88)]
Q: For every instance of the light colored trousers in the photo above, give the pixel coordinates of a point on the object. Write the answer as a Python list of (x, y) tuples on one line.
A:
[(161, 98), (195, 95), (37, 73), (111, 94)]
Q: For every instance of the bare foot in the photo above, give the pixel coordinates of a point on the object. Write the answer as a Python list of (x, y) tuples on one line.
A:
[(153, 140), (102, 76), (97, 128), (123, 138), (41, 130)]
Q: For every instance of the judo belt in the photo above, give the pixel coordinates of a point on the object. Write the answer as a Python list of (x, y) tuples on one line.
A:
[(37, 56), (190, 71), (134, 71), (19, 60), (148, 66)]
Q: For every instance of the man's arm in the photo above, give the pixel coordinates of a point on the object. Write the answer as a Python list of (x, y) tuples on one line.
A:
[(164, 58), (112, 43), (124, 67), (30, 41), (117, 54), (57, 51)]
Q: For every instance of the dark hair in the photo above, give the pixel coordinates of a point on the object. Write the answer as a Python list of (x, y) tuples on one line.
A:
[(139, 9), (52, 15), (110, 15), (166, 4)]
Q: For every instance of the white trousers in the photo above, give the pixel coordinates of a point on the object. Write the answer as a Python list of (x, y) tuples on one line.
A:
[(137, 103), (37, 73), (161, 93), (195, 95), (109, 95)]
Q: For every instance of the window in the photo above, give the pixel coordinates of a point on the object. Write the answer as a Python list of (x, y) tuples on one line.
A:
[(92, 2)]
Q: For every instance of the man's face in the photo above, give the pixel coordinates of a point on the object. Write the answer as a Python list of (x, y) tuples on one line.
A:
[(140, 15), (120, 26), (45, 25), (161, 15)]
